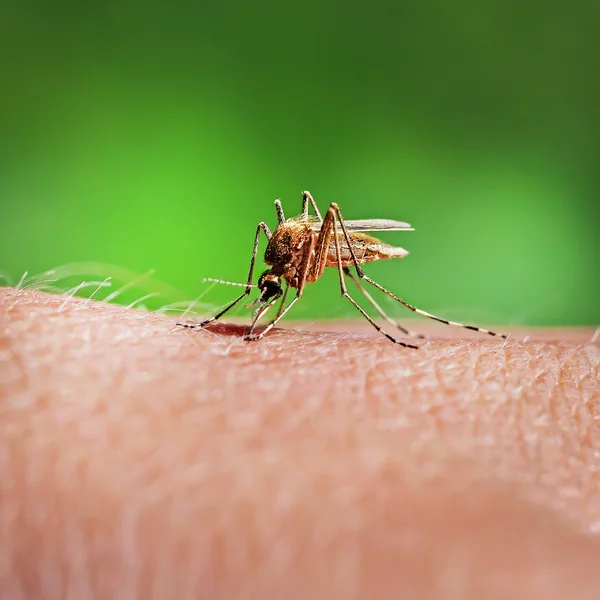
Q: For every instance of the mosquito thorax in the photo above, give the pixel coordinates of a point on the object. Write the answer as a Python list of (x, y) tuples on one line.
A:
[(286, 242)]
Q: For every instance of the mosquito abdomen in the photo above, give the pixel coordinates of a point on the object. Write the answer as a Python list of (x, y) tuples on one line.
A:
[(366, 248)]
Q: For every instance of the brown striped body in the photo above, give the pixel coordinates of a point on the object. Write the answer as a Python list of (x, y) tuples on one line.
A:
[(287, 250)]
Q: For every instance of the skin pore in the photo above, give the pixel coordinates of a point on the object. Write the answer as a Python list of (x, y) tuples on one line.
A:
[(142, 460)]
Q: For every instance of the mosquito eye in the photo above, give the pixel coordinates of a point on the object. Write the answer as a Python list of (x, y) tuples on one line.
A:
[(269, 288), (261, 280)]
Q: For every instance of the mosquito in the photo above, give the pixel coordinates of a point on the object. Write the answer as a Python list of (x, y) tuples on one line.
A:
[(298, 252)]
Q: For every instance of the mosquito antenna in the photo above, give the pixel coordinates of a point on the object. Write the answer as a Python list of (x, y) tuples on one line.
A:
[(222, 281)]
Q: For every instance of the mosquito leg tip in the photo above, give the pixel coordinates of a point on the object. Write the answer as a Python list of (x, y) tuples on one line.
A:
[(195, 325), (398, 342), (405, 345), (500, 335)]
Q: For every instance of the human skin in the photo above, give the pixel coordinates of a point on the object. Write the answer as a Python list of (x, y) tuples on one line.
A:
[(142, 460)]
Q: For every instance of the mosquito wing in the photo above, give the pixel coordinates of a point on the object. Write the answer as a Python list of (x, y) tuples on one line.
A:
[(363, 225), (377, 225)]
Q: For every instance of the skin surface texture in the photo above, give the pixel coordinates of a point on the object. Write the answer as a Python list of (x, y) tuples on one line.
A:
[(143, 460)]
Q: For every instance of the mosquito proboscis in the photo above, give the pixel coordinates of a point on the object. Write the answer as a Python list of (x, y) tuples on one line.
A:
[(299, 250)]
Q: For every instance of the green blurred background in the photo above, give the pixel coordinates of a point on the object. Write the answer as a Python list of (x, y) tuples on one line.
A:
[(156, 135)]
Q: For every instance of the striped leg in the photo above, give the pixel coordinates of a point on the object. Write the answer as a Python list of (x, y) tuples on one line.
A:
[(261, 226), (345, 293), (429, 315), (305, 269), (379, 309), (362, 275), (306, 199), (282, 304), (279, 209)]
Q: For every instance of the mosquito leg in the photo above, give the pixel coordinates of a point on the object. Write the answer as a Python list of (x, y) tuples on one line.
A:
[(261, 226), (345, 291), (362, 275), (282, 304), (252, 338), (306, 199), (304, 272), (428, 315), (279, 209), (262, 311), (379, 309)]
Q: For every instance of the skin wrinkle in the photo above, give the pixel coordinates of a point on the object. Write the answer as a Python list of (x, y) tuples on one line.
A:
[(368, 466)]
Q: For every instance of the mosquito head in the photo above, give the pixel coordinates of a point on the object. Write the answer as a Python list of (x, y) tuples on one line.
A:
[(269, 286)]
